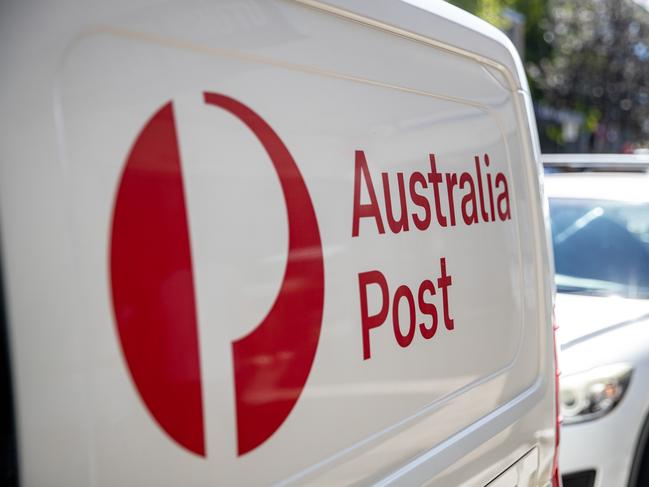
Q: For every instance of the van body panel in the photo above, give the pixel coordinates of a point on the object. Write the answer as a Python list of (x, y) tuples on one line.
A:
[(432, 360)]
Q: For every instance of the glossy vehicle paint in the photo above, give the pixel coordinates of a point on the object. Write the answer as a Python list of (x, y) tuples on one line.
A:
[(600, 330), (282, 242)]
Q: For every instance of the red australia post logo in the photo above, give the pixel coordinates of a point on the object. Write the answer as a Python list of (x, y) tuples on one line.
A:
[(154, 298)]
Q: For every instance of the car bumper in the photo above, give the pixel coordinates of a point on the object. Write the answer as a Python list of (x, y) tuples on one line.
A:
[(605, 446)]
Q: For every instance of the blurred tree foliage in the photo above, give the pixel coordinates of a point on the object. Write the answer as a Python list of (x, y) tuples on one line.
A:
[(535, 12), (591, 56), (598, 63)]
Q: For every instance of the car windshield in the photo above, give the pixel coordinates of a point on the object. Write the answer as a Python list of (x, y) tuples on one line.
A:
[(601, 247)]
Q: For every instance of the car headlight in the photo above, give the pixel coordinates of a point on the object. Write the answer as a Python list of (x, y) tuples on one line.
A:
[(593, 394)]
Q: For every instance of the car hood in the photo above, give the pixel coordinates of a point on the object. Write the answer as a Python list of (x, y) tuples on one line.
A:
[(580, 316)]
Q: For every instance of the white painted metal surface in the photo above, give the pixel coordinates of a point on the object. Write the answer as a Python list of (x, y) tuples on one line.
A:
[(603, 331), (354, 90), (619, 333)]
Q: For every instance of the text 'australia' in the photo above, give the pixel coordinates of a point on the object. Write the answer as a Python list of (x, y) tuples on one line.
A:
[(476, 195)]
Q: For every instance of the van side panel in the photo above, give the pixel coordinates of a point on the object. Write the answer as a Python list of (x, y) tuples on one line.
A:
[(362, 241)]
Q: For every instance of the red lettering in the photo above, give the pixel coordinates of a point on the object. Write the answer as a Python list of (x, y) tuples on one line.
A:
[(428, 309), (435, 178), (469, 198), (491, 190), (503, 197), (370, 210), (451, 182), (481, 199), (372, 321), (444, 282), (483, 212), (403, 340), (395, 225), (423, 305), (419, 200)]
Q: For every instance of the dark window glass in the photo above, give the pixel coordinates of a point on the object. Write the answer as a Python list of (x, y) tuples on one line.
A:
[(601, 247)]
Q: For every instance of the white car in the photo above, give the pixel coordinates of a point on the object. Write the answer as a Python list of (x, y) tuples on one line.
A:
[(599, 212)]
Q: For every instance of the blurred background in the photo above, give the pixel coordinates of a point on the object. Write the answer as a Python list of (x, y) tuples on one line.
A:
[(587, 63)]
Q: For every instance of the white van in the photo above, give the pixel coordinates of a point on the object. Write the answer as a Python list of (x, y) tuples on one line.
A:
[(272, 242)]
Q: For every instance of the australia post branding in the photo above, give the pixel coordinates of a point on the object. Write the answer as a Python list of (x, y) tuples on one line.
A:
[(153, 285), (471, 197)]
